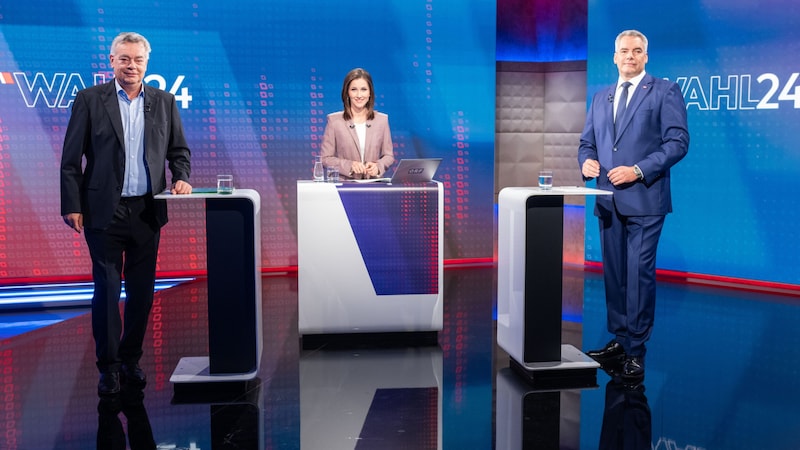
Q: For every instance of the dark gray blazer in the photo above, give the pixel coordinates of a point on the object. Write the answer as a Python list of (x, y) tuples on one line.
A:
[(95, 133)]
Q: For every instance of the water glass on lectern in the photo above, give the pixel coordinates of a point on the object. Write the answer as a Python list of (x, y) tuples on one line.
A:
[(333, 175), (318, 171), (546, 179), (224, 184)]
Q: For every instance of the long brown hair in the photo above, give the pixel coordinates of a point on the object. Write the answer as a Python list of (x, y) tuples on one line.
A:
[(351, 76)]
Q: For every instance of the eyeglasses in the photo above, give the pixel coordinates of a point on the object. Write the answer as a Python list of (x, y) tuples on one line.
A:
[(125, 60)]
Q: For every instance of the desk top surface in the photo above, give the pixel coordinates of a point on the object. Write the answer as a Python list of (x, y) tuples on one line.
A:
[(197, 193), (555, 190), (310, 186)]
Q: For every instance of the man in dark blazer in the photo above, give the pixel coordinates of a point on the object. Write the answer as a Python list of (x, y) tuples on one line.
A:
[(631, 156), (120, 137)]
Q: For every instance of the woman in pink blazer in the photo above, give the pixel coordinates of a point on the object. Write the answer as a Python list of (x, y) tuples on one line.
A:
[(357, 140)]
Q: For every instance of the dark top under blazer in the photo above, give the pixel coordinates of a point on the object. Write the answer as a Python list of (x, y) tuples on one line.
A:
[(95, 132)]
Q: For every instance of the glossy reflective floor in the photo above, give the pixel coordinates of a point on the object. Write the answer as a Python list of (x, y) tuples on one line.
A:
[(722, 373)]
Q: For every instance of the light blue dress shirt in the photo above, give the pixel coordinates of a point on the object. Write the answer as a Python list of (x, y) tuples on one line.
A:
[(132, 113)]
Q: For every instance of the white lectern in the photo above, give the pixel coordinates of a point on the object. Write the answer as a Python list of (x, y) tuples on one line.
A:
[(233, 259), (529, 276)]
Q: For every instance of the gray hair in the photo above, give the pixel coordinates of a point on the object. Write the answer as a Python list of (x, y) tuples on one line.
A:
[(633, 33), (131, 38)]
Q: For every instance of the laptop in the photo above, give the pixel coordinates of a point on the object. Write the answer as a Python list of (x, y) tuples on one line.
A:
[(415, 170)]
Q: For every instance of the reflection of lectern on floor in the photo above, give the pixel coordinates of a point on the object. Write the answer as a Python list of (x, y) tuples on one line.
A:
[(233, 247), (527, 418), (371, 398), (529, 277)]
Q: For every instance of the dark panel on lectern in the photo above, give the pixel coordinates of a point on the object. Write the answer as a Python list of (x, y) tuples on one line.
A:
[(231, 285), (543, 261)]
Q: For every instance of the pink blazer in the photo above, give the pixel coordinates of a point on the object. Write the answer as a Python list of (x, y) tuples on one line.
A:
[(340, 143)]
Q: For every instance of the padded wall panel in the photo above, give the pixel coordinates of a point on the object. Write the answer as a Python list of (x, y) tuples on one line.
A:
[(560, 154), (539, 118), (519, 102), (522, 159), (564, 101)]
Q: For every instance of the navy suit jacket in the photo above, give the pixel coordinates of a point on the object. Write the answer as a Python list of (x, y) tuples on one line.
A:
[(95, 133), (654, 136)]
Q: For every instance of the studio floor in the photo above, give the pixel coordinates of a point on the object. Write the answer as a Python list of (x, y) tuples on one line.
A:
[(722, 373)]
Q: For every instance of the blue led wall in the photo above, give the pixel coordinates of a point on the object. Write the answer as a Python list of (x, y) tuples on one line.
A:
[(254, 81), (735, 195)]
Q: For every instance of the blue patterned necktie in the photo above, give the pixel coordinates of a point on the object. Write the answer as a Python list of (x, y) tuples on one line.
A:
[(621, 107)]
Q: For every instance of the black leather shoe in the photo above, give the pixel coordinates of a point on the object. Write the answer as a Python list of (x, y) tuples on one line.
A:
[(633, 369), (612, 352), (109, 384), (133, 375), (613, 369)]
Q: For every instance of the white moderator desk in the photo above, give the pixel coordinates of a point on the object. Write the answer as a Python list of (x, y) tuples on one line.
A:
[(369, 257)]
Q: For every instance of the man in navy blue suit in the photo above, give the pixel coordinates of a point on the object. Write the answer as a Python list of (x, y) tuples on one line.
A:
[(631, 156), (120, 137)]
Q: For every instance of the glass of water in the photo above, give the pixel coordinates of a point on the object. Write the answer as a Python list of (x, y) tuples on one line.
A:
[(333, 175), (224, 184), (546, 179), (319, 171)]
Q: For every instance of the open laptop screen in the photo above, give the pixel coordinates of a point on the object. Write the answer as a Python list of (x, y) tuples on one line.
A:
[(415, 170)]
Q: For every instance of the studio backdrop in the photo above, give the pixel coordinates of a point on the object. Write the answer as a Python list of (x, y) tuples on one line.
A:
[(735, 195), (254, 81)]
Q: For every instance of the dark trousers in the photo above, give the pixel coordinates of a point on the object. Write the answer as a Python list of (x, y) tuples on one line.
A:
[(129, 248), (629, 271), (627, 419), (110, 433)]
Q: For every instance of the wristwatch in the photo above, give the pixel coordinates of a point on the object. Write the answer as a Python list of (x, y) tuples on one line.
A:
[(638, 172)]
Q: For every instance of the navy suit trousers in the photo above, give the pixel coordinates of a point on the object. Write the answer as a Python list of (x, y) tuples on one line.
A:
[(629, 246)]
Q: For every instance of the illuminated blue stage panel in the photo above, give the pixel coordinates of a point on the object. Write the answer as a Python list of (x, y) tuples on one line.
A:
[(254, 82), (734, 195)]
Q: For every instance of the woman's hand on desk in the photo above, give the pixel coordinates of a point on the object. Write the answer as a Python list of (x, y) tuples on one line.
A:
[(361, 170), (371, 169), (357, 168)]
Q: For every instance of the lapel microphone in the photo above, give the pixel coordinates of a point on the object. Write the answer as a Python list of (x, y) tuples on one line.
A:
[(611, 98), (147, 107)]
